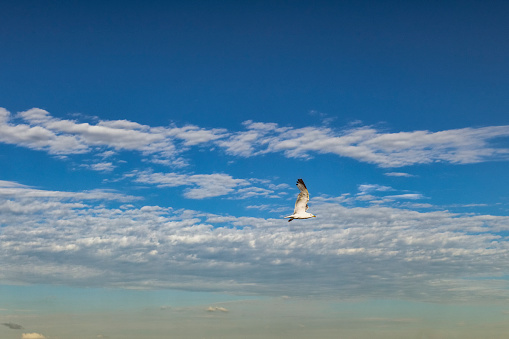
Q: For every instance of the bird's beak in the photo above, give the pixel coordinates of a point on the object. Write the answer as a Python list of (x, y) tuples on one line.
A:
[(314, 216)]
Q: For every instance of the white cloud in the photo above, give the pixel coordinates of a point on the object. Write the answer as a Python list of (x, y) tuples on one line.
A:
[(356, 252), (398, 174), (32, 336), (410, 196), (11, 190), (205, 185), (103, 166), (193, 135), (37, 137), (368, 188), (366, 144), (62, 137), (217, 309), (40, 131)]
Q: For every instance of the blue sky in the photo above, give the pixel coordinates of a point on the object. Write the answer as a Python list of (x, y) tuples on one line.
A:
[(150, 151)]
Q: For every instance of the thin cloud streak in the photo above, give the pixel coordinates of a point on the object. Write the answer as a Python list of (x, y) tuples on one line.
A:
[(10, 189)]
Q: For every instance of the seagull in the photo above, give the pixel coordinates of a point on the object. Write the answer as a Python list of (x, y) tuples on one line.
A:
[(301, 205)]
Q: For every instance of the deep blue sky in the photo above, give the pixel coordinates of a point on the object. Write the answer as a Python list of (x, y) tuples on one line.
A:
[(416, 65)]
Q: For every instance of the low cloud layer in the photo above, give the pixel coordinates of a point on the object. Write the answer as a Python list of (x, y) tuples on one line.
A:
[(346, 253)]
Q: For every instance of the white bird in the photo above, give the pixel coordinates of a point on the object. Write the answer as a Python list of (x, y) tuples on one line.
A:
[(301, 205)]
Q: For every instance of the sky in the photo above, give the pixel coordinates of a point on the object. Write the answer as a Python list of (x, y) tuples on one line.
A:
[(149, 152)]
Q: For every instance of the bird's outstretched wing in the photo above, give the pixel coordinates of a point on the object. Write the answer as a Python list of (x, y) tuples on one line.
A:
[(301, 205)]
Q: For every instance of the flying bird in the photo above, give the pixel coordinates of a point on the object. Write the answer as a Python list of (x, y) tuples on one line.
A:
[(301, 205)]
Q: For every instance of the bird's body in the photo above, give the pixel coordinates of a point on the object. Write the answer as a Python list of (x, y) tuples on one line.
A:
[(301, 205)]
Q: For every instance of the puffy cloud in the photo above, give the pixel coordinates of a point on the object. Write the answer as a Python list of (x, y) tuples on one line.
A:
[(32, 336), (37, 137), (217, 309), (347, 252), (63, 137)]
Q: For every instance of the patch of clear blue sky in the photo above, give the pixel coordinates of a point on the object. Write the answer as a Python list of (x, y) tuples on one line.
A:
[(218, 63)]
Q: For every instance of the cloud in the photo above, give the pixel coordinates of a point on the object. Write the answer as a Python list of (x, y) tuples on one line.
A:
[(217, 309), (193, 135), (40, 131), (367, 191), (368, 188), (14, 189), (37, 137), (102, 167), (410, 196), (37, 129), (345, 253), (201, 186), (398, 174), (32, 336), (13, 326), (366, 144)]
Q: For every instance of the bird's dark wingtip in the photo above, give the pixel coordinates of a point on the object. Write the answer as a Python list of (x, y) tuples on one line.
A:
[(300, 181)]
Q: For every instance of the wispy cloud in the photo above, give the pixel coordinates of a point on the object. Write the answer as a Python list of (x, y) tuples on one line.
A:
[(200, 186), (368, 188), (37, 129), (409, 196), (366, 144), (398, 174), (102, 166), (10, 189)]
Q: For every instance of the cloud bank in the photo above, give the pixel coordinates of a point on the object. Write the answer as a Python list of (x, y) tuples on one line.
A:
[(347, 253)]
